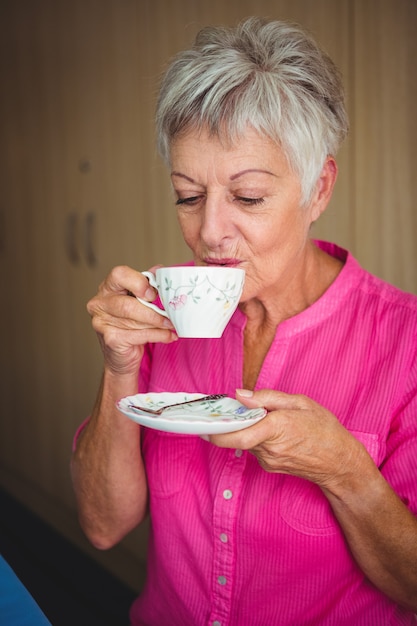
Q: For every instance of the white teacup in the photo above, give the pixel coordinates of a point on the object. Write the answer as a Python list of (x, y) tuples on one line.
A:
[(198, 300)]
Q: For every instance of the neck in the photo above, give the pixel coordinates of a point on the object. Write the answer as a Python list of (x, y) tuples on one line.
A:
[(264, 314), (295, 292)]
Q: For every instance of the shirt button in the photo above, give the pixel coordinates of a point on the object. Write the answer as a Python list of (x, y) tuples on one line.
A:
[(238, 453), (224, 538), (216, 623), (227, 494), (222, 580)]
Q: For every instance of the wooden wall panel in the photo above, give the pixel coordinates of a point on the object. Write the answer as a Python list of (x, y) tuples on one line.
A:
[(385, 135)]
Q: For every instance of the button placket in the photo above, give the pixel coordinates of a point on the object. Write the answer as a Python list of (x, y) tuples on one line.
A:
[(226, 506)]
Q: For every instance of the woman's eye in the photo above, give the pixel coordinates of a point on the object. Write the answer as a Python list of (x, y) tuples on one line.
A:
[(250, 201), (190, 201), (194, 200)]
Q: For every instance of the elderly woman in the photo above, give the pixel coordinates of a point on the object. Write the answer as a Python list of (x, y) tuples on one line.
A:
[(308, 516)]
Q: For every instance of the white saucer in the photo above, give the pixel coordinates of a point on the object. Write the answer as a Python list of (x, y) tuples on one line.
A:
[(208, 418)]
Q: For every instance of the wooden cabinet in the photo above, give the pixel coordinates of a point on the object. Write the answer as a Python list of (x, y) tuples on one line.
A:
[(71, 151), (83, 190)]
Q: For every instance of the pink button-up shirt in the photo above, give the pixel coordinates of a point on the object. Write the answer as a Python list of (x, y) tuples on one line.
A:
[(233, 545)]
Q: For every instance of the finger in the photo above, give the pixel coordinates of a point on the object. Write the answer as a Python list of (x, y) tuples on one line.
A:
[(116, 339), (247, 438), (270, 399), (125, 312), (124, 280)]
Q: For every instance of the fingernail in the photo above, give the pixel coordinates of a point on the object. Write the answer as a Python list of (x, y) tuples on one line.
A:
[(168, 324), (246, 393), (150, 294)]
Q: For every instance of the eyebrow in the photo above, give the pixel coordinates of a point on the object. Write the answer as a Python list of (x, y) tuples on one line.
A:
[(249, 171), (191, 180), (242, 173)]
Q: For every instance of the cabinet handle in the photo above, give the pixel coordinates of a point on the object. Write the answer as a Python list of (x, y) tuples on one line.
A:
[(71, 232), (89, 239)]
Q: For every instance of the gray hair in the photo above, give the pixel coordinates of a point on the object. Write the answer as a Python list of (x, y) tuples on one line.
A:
[(269, 75)]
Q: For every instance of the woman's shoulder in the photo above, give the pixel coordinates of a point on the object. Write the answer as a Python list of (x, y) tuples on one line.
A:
[(369, 285), (389, 296)]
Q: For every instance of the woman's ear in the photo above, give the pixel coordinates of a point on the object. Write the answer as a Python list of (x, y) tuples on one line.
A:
[(324, 188)]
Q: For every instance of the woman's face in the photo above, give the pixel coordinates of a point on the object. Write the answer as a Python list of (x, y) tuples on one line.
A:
[(239, 206)]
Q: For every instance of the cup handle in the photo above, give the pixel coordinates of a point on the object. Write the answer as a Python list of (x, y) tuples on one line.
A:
[(153, 283)]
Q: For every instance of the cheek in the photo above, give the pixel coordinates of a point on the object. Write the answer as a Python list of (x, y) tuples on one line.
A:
[(263, 238), (273, 244), (190, 228)]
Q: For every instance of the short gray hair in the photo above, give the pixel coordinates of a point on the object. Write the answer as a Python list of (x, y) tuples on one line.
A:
[(269, 75)]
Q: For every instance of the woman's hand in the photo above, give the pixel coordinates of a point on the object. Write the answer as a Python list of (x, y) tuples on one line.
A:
[(298, 437), (122, 323)]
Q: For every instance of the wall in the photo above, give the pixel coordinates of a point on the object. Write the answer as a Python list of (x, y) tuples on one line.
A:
[(82, 189)]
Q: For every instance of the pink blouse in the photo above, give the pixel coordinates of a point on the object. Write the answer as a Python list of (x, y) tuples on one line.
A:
[(233, 545)]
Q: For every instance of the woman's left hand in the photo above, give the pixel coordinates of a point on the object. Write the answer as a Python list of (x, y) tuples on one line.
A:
[(298, 437)]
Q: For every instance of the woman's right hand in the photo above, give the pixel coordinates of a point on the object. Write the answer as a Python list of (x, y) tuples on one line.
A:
[(124, 325)]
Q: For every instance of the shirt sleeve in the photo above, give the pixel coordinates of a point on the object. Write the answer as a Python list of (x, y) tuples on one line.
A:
[(400, 465)]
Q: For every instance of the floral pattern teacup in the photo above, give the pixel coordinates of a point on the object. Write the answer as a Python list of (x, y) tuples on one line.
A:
[(198, 300)]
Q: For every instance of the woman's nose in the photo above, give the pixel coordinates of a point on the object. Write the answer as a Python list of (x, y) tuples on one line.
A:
[(216, 223)]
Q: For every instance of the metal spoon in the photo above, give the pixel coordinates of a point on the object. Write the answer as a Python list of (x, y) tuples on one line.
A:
[(170, 406)]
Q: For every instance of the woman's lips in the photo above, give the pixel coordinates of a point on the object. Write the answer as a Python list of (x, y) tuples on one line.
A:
[(222, 262)]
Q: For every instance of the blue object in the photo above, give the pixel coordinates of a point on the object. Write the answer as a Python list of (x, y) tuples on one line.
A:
[(17, 607)]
